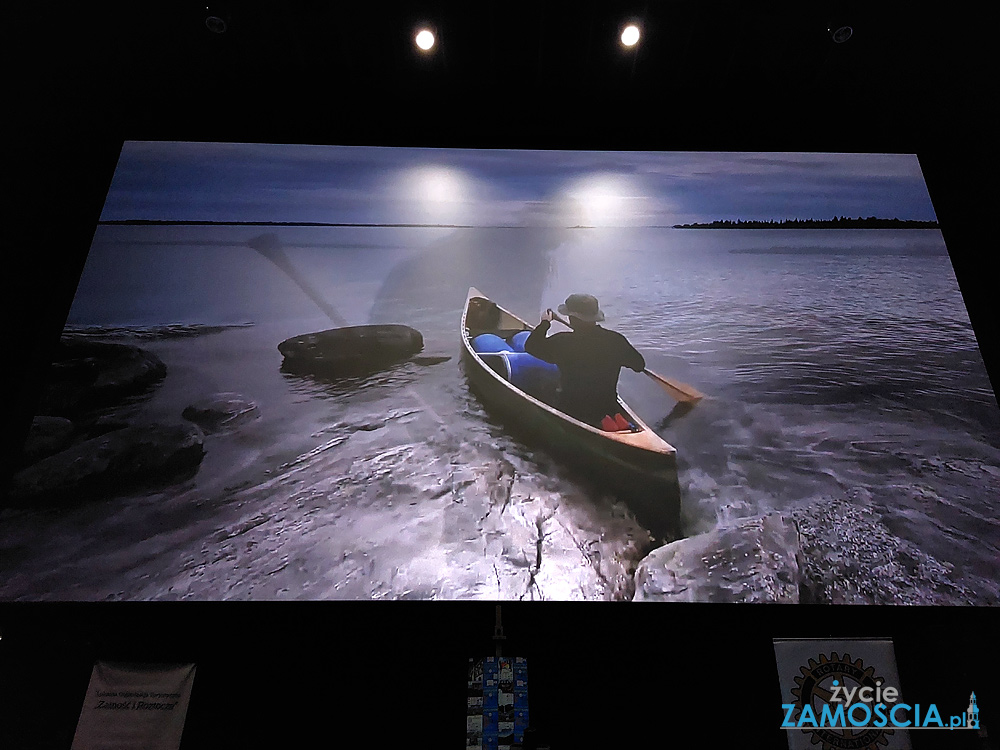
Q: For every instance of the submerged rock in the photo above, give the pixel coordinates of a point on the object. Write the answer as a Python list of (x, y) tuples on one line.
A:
[(851, 557), (110, 463), (349, 351), (87, 374), (221, 411), (754, 560)]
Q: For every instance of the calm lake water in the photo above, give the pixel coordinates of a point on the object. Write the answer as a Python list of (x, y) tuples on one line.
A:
[(837, 364)]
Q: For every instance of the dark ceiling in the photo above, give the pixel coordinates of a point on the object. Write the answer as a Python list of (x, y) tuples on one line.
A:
[(507, 72)]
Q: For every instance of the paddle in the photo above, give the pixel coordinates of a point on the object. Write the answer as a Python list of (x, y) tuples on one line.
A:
[(270, 247), (677, 390)]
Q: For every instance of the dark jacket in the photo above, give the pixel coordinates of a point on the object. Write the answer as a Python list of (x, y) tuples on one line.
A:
[(589, 361)]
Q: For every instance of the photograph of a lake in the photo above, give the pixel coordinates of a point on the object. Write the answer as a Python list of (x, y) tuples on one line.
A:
[(847, 450)]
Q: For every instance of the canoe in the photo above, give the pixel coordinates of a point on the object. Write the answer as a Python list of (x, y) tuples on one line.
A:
[(635, 464)]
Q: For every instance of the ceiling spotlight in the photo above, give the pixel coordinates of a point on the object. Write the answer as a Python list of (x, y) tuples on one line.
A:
[(630, 35), (215, 22), (841, 34), (424, 39)]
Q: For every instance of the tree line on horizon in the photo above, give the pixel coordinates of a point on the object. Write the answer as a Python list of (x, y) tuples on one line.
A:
[(837, 222)]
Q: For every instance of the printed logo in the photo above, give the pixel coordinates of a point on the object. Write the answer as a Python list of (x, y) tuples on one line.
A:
[(843, 705), (815, 694)]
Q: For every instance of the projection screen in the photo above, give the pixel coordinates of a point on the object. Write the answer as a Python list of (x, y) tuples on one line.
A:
[(267, 387)]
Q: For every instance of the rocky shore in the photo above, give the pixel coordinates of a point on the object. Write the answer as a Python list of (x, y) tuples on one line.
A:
[(84, 445), (835, 551), (389, 500)]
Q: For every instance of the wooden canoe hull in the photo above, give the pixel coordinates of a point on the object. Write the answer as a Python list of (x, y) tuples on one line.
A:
[(640, 468)]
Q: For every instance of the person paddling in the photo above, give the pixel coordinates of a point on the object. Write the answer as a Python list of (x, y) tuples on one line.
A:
[(589, 358)]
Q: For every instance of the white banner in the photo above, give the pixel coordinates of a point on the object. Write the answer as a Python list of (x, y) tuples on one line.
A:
[(134, 707), (822, 684)]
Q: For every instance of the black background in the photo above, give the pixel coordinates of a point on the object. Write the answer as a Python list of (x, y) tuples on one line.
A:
[(707, 76)]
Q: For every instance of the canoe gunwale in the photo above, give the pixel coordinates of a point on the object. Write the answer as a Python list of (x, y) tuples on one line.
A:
[(644, 441)]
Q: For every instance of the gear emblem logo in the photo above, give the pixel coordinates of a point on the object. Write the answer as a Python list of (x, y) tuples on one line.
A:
[(815, 687)]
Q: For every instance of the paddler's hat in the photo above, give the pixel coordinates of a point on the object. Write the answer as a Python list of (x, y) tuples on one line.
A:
[(582, 306)]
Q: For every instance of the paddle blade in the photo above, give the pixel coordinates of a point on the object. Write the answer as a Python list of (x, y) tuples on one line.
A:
[(678, 391), (270, 247)]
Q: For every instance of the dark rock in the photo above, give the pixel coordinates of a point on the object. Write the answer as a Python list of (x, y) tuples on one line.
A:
[(754, 560), (349, 351), (48, 435), (221, 411), (106, 423), (114, 462), (88, 374)]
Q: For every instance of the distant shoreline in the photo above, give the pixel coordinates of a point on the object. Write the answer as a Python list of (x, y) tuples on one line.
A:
[(206, 223), (836, 223)]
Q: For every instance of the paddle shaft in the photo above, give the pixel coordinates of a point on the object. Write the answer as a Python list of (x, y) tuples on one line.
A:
[(677, 390), (270, 248)]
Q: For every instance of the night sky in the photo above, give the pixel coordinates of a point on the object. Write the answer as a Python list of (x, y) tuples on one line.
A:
[(247, 182)]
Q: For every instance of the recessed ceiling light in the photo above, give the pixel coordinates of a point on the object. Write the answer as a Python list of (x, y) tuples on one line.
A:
[(215, 24), (841, 34), (424, 39)]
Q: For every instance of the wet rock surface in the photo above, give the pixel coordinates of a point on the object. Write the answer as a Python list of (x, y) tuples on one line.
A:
[(851, 557), (477, 534), (221, 411), (87, 374), (753, 560), (384, 509), (832, 551), (109, 463)]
